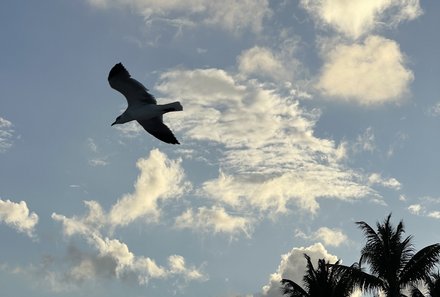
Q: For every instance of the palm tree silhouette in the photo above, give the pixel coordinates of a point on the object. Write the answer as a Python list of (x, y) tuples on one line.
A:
[(392, 260), (432, 283), (321, 282)]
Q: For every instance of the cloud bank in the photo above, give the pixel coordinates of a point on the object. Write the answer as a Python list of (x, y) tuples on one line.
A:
[(232, 15), (160, 179), (269, 156)]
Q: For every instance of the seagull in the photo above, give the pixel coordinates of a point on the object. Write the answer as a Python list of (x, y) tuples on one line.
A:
[(142, 106)]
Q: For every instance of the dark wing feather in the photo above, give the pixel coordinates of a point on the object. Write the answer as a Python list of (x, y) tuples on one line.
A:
[(158, 129), (135, 92)]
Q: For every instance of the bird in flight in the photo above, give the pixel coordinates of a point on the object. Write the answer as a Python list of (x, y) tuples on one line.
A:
[(142, 106)]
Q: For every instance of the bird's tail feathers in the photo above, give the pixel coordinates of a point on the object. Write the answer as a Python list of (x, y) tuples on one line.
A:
[(174, 106)]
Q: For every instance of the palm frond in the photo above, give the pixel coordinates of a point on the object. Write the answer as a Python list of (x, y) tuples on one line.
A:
[(292, 289), (360, 278), (415, 292), (433, 284), (421, 264), (370, 252)]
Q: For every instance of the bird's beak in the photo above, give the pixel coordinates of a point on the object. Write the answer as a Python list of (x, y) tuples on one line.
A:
[(113, 123)]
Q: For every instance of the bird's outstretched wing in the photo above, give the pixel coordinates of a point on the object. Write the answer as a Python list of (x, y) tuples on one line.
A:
[(134, 91), (158, 129)]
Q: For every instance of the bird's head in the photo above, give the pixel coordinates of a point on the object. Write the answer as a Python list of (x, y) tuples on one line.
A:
[(118, 120), (123, 118)]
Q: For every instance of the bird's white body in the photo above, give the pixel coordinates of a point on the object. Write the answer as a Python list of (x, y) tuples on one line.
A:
[(153, 110), (142, 106), (147, 111)]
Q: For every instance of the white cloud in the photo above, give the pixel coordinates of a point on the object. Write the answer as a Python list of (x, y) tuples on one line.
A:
[(330, 237), (392, 183), (358, 17), (6, 134), (426, 207), (293, 267), (94, 149), (160, 179), (434, 110), (98, 162), (262, 62), (114, 259), (232, 15), (131, 129), (18, 216), (143, 267), (434, 214), (111, 259), (215, 219), (415, 209), (269, 155), (178, 266), (276, 64), (92, 145), (368, 73), (365, 141)]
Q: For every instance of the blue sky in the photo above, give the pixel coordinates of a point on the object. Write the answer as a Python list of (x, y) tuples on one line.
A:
[(300, 118)]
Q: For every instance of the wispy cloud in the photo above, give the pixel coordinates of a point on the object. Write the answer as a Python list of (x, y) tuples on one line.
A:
[(392, 183), (18, 216), (263, 63), (357, 17), (329, 236), (427, 206), (434, 110), (97, 159), (415, 208), (98, 162), (6, 134), (232, 15), (130, 129), (365, 141), (270, 156), (214, 219)]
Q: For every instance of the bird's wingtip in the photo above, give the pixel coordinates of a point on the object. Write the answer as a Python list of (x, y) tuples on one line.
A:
[(117, 70)]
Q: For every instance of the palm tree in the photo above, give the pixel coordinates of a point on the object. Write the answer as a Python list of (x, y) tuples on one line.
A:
[(392, 260), (433, 285), (321, 282)]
